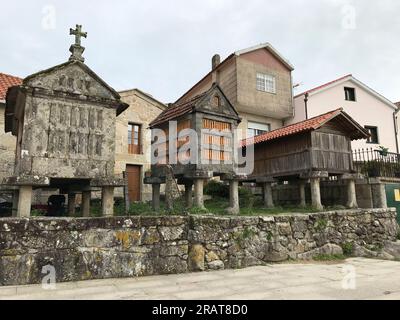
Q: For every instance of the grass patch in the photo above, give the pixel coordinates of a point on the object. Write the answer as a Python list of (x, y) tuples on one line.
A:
[(329, 257)]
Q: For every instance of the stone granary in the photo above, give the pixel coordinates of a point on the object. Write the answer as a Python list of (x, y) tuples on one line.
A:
[(209, 119), (64, 120), (308, 151)]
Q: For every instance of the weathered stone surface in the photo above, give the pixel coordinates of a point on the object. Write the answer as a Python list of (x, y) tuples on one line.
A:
[(93, 248), (216, 265), (196, 257)]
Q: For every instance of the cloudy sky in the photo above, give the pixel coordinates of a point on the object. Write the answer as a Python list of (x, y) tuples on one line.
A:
[(164, 47)]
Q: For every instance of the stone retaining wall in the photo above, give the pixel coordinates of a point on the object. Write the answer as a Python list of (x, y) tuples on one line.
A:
[(95, 248)]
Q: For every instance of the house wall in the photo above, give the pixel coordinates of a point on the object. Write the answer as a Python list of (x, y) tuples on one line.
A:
[(7, 148), (142, 110), (250, 100), (366, 110), (237, 78)]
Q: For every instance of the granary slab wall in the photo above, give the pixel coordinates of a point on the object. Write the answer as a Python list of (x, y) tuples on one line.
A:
[(82, 249), (60, 135), (7, 148)]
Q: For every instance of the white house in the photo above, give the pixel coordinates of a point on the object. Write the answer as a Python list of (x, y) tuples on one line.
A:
[(366, 106)]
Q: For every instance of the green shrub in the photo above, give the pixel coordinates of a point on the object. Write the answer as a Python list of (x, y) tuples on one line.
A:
[(246, 198), (348, 248), (217, 189), (38, 213), (321, 224)]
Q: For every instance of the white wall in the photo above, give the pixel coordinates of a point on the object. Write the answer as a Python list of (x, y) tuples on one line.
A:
[(367, 111)]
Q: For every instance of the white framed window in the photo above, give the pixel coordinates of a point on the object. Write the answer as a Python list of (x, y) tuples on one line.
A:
[(266, 83), (255, 128)]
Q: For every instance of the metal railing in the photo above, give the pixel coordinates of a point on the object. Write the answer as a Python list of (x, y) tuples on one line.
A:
[(377, 163)]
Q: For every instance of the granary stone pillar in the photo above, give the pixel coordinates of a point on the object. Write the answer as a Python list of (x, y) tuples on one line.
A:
[(85, 207), (71, 204), (350, 179), (107, 201), (189, 194), (155, 196), (351, 194), (316, 193), (234, 207), (198, 193), (268, 198), (24, 201), (302, 189), (15, 203)]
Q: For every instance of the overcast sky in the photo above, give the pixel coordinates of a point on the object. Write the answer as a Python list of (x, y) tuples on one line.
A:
[(164, 47)]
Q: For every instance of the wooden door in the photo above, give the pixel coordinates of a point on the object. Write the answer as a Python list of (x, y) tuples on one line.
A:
[(133, 177)]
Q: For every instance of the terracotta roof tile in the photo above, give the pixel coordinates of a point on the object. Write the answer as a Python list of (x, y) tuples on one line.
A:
[(7, 81), (306, 125), (176, 110), (323, 86)]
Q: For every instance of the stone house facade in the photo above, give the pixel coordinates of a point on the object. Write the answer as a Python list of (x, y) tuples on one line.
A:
[(133, 142), (369, 108), (258, 82)]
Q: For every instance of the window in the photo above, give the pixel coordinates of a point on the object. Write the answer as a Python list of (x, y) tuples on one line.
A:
[(255, 129), (266, 83), (373, 131), (350, 94), (216, 101), (134, 139)]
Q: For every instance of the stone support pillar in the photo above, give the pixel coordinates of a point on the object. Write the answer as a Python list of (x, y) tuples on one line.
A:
[(24, 201), (71, 204), (302, 189), (189, 194), (15, 203), (234, 207), (198, 193), (156, 196), (85, 207), (107, 201), (316, 193), (268, 198), (351, 194)]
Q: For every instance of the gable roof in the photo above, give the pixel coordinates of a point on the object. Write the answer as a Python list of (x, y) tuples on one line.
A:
[(145, 96), (266, 45), (80, 64), (7, 81), (351, 78), (308, 125), (177, 110)]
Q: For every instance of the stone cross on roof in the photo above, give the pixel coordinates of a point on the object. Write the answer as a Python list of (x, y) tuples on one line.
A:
[(76, 49)]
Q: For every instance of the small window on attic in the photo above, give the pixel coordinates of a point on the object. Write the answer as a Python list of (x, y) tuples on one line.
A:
[(216, 101)]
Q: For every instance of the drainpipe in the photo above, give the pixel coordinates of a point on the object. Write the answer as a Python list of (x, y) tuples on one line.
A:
[(305, 104), (396, 129)]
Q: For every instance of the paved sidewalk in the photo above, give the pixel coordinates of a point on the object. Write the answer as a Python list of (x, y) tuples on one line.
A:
[(375, 279)]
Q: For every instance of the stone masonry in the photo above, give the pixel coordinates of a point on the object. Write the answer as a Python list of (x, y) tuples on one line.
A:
[(113, 247)]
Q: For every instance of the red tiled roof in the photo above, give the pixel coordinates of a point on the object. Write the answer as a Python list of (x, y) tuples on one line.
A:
[(306, 125), (176, 110), (323, 86), (7, 81)]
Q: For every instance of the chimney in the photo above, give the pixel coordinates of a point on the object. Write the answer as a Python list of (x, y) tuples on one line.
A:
[(215, 61)]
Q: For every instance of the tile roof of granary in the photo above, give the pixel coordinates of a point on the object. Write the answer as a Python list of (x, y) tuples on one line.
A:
[(177, 110), (306, 125), (7, 81)]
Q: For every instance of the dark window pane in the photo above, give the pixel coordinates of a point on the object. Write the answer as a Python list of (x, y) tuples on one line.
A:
[(350, 94)]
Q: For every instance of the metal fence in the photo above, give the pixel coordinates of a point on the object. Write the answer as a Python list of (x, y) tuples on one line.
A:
[(377, 163)]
